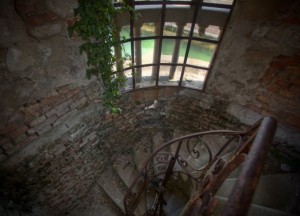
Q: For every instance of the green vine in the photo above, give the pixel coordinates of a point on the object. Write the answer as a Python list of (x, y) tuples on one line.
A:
[(95, 24)]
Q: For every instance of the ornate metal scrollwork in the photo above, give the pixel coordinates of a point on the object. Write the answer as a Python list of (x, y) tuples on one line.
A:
[(195, 156)]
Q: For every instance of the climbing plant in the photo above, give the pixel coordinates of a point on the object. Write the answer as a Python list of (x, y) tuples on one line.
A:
[(95, 24)]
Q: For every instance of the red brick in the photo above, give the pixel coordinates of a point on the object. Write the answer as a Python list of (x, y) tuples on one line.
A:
[(18, 117), (295, 90), (9, 128), (291, 19), (268, 76), (294, 121), (21, 144), (60, 109), (7, 146), (25, 7), (254, 108), (263, 99), (286, 93), (78, 103), (45, 126), (283, 81), (78, 96), (20, 138), (37, 121), (4, 140), (63, 89), (53, 100), (295, 81), (266, 112), (274, 87), (169, 91), (72, 92), (14, 134), (281, 62)]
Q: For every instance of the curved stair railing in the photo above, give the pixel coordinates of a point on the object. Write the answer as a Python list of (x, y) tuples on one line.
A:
[(203, 160)]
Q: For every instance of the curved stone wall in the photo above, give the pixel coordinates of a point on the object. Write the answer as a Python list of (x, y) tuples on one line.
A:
[(59, 164), (55, 135)]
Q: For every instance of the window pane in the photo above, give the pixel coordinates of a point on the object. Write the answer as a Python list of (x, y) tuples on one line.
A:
[(148, 29), (209, 22), (201, 53), (146, 78), (147, 51), (125, 32), (167, 50), (211, 32), (128, 83), (169, 79), (126, 52), (194, 78), (227, 2), (170, 29)]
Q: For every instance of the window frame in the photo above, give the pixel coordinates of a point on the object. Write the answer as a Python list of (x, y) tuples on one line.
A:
[(195, 5)]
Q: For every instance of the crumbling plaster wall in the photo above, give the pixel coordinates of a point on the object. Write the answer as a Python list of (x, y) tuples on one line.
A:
[(258, 65), (55, 134), (36, 54)]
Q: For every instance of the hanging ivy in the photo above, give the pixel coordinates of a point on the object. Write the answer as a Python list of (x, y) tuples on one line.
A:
[(95, 24)]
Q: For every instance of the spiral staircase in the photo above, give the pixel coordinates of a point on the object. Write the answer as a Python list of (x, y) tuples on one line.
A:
[(207, 173)]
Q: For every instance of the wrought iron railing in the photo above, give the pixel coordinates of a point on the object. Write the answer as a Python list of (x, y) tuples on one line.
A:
[(204, 160)]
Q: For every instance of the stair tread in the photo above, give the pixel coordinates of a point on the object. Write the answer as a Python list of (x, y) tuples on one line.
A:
[(276, 191), (96, 203), (253, 211), (175, 203), (140, 155), (112, 187), (126, 169)]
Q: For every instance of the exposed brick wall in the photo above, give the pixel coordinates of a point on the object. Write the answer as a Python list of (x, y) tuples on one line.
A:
[(36, 119), (281, 97), (64, 168)]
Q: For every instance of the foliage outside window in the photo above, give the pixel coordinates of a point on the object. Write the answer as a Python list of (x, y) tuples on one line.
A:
[(95, 24)]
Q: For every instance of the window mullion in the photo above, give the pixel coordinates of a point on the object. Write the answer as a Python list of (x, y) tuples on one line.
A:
[(197, 5)]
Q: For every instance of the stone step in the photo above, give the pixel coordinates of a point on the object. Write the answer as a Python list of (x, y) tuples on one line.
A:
[(113, 187), (140, 156), (255, 210), (175, 203), (278, 191), (125, 167), (94, 203)]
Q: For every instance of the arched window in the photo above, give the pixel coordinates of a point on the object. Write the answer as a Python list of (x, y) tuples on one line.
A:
[(172, 43)]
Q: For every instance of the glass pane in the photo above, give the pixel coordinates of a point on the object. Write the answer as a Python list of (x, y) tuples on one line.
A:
[(201, 53), (147, 51), (128, 76), (170, 29), (178, 19), (211, 32), (169, 75), (209, 22), (182, 51), (187, 30), (167, 50), (125, 32), (126, 52), (227, 2), (146, 80), (148, 29), (194, 78)]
